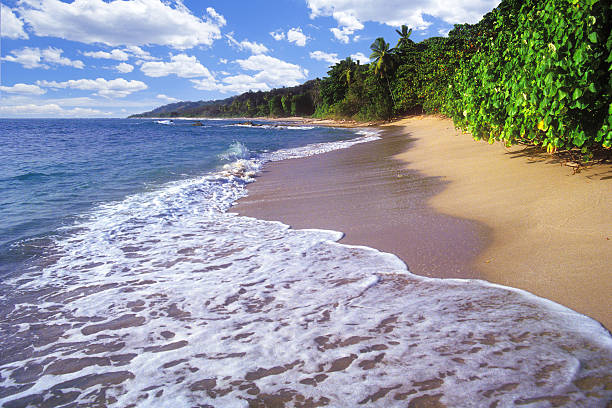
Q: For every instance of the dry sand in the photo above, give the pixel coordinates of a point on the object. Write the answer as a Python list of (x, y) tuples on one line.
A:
[(551, 229), (451, 207)]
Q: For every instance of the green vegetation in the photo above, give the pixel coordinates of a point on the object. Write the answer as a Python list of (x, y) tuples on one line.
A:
[(295, 101), (531, 71), (541, 75)]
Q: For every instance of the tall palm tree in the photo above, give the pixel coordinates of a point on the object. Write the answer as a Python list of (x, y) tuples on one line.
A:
[(348, 70), (383, 60), (404, 36)]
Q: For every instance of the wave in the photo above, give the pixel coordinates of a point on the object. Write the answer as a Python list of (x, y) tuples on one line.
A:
[(271, 126), (35, 176), (235, 151), (365, 135), (165, 296)]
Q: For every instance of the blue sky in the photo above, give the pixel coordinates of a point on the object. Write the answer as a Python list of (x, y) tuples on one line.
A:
[(112, 58)]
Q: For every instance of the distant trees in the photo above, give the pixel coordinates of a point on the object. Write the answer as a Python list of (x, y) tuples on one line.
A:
[(534, 71)]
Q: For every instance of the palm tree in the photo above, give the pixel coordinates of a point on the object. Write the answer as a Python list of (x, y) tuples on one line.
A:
[(383, 60), (404, 36), (348, 71)]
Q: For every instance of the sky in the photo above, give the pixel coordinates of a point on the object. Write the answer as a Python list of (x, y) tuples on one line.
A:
[(113, 58)]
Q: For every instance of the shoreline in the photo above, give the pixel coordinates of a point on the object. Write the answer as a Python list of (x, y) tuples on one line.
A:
[(298, 120), (326, 191), (422, 196)]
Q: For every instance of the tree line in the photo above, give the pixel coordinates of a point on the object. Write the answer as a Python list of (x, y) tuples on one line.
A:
[(530, 71)]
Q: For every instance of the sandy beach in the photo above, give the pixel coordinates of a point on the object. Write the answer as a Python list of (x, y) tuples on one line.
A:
[(450, 207)]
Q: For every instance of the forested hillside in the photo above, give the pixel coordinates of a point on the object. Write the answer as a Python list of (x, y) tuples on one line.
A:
[(294, 101), (534, 71)]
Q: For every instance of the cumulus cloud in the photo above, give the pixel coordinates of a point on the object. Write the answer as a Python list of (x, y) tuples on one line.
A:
[(119, 22), (270, 73), (278, 35), (232, 84), (351, 14), (295, 35), (114, 88), (124, 68), (37, 58), (23, 89), (48, 110), (166, 98), (181, 65), (115, 54), (342, 35), (216, 16), (274, 71), (10, 25), (253, 47), (330, 58), (359, 56), (139, 53), (54, 56)]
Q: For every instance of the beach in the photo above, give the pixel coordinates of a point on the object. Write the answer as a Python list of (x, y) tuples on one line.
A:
[(156, 295), (451, 207)]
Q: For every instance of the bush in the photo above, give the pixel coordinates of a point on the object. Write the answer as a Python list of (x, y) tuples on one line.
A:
[(542, 76)]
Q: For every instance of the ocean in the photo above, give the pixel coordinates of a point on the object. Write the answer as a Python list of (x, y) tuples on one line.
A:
[(125, 281)]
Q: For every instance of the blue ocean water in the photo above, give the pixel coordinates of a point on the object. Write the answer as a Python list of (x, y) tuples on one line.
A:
[(127, 283), (53, 170)]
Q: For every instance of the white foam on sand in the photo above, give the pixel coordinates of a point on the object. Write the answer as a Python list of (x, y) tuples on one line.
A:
[(165, 299)]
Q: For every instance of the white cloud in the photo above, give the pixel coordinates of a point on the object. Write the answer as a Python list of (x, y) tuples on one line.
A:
[(124, 68), (114, 88), (167, 98), (139, 53), (182, 65), (270, 73), (444, 32), (216, 16), (255, 48), (208, 84), (28, 57), (223, 60), (10, 25), (278, 35), (37, 58), (235, 84), (54, 56), (23, 89), (48, 110), (343, 34), (273, 71), (359, 56), (351, 14), (115, 54), (348, 23), (295, 35), (119, 22), (331, 58)]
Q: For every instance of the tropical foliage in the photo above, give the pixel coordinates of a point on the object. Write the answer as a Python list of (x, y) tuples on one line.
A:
[(531, 71)]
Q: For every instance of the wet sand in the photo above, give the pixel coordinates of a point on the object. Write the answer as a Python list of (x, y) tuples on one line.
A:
[(450, 207), (365, 193)]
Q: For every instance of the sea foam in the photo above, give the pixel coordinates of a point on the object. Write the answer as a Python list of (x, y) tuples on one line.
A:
[(165, 299)]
